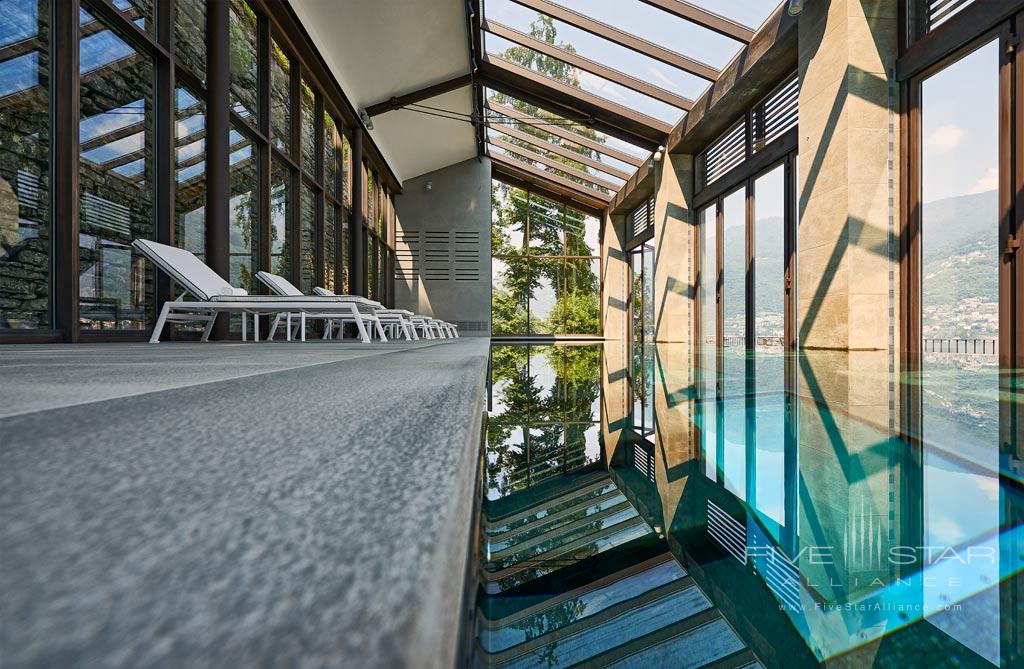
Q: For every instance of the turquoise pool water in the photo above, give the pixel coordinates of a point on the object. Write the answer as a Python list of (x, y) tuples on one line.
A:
[(786, 511)]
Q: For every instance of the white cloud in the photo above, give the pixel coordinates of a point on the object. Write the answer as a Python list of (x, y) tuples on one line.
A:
[(945, 138), (598, 84), (990, 181), (660, 76)]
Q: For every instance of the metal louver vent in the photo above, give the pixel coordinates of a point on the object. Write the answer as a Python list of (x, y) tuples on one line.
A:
[(940, 11), (643, 218), (776, 114), (726, 152), (728, 532), (436, 256)]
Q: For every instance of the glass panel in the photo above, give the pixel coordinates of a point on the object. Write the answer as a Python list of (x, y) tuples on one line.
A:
[(510, 289), (708, 348), (769, 360), (330, 155), (190, 172), (734, 373), (244, 70), (636, 262), (547, 280), (308, 108), (508, 219), (116, 184), (330, 242), (25, 168), (346, 167), (190, 36), (582, 234), (139, 12), (581, 301), (960, 256), (346, 254), (546, 225), (280, 99), (280, 201), (245, 208), (371, 268), (307, 252)]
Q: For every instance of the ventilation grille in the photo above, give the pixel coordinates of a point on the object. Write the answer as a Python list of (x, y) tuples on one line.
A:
[(940, 11), (474, 326), (28, 190), (776, 114), (725, 153), (643, 461), (467, 255), (778, 571), (643, 218), (438, 255), (727, 532)]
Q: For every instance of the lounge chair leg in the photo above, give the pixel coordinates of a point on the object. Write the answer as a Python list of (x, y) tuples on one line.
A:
[(209, 327), (407, 329), (380, 330), (245, 321), (256, 328), (302, 326), (362, 329), (288, 327), (273, 328), (158, 328)]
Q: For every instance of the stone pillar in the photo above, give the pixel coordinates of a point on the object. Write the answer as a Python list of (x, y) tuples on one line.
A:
[(615, 278), (673, 249), (846, 282)]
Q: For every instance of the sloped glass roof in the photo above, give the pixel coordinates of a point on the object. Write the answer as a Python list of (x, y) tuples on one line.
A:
[(644, 61)]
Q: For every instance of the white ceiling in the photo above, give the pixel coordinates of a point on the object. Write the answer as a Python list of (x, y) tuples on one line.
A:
[(378, 49)]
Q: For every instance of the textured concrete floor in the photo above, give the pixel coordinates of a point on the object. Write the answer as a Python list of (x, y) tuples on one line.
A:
[(236, 504)]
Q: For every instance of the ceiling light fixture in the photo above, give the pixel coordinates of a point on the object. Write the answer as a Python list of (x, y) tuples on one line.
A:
[(365, 118)]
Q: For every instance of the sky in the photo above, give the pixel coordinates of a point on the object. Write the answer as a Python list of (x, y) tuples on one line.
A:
[(648, 23)]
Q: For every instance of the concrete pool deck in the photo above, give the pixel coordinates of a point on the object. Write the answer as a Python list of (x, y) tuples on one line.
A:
[(237, 504)]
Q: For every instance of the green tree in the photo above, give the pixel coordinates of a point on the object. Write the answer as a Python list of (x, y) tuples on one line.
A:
[(554, 229)]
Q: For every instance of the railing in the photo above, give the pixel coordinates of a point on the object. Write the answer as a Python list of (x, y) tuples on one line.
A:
[(965, 346)]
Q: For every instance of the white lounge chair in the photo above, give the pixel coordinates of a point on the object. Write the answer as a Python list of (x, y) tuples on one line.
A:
[(213, 295), (362, 314), (395, 320)]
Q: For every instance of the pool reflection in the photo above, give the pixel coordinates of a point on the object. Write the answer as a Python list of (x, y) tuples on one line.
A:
[(791, 501)]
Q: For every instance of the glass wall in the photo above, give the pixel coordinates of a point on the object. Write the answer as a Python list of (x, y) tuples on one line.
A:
[(642, 328), (287, 166), (960, 255), (546, 266), (25, 232), (115, 179)]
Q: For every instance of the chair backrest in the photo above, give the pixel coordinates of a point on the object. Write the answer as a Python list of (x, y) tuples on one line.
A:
[(278, 284), (323, 292), (188, 271)]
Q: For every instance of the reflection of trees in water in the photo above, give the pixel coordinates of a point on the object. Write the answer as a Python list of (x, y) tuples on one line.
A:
[(553, 415)]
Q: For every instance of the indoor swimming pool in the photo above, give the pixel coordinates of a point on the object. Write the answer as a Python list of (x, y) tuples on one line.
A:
[(762, 510)]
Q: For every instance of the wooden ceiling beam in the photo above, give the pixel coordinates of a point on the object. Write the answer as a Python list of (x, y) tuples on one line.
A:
[(560, 150), (587, 65), (552, 163), (399, 101), (704, 18), (622, 38), (573, 103), (565, 134)]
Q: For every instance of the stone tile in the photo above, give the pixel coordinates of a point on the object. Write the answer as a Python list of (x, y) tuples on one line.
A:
[(868, 321), (830, 326), (868, 156)]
